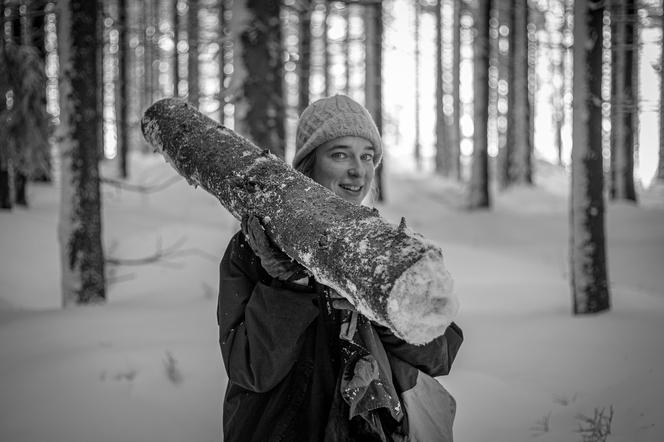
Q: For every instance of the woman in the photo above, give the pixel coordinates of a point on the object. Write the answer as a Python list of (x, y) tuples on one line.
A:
[(302, 364)]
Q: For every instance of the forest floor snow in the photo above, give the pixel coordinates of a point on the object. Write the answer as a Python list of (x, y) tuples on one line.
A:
[(146, 366)]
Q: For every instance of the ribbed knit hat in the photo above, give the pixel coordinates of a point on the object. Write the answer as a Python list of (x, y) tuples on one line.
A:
[(334, 117)]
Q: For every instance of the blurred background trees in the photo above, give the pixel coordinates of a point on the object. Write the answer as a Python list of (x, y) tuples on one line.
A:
[(479, 93)]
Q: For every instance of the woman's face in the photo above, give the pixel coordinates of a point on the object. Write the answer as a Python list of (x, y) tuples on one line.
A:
[(345, 166)]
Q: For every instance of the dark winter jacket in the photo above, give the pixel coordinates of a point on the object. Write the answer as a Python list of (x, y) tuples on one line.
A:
[(280, 347)]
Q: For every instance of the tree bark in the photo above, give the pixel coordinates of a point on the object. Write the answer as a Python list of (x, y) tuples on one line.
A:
[(37, 38), (517, 160), (373, 81), (417, 147), (79, 228), (455, 132), (176, 53), (443, 157), (122, 96), (478, 196), (623, 134), (192, 57), (589, 282), (393, 276), (659, 176), (5, 194), (258, 74), (304, 46)]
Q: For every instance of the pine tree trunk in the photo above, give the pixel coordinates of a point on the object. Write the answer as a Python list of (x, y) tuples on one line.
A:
[(326, 50), (478, 196), (176, 54), (373, 81), (589, 281), (192, 57), (122, 97), (79, 228), (305, 55), (5, 191), (517, 161), (455, 133), (393, 276), (258, 72), (417, 147), (442, 149), (223, 50), (36, 35), (147, 33), (659, 173), (623, 100)]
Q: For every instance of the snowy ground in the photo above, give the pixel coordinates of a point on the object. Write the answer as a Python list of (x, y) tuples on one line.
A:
[(146, 366)]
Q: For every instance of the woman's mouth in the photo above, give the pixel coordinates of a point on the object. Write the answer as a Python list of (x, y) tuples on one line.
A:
[(351, 188)]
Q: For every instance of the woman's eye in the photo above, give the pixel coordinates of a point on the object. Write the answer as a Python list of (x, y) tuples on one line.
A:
[(339, 155), (367, 157)]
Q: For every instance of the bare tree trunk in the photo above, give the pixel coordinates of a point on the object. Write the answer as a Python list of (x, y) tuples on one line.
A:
[(305, 54), (345, 14), (36, 36), (443, 157), (517, 161), (192, 57), (623, 15), (589, 282), (257, 74), (5, 194), (373, 81), (660, 164), (478, 196), (79, 228), (455, 133), (122, 97), (176, 53), (326, 50), (393, 276), (417, 149)]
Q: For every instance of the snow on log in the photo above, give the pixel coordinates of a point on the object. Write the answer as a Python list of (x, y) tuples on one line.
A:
[(392, 276)]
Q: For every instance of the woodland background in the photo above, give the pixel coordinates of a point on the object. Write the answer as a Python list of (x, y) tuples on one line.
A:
[(534, 161)]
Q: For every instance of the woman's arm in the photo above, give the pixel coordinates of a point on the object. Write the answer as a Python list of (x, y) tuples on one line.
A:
[(261, 321), (434, 358)]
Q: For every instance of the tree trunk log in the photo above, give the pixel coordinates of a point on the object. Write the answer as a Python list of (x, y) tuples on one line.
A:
[(392, 276)]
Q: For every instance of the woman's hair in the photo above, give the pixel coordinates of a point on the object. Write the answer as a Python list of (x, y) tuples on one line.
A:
[(306, 164)]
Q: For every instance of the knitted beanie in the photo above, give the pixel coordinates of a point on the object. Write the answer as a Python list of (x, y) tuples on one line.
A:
[(334, 117)]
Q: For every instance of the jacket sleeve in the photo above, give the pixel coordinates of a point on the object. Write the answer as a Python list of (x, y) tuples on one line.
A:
[(434, 358), (261, 321)]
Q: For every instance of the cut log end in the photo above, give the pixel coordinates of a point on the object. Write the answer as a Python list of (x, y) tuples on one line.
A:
[(422, 303)]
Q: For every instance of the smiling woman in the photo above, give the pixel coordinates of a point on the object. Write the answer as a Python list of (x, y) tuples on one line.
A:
[(303, 363)]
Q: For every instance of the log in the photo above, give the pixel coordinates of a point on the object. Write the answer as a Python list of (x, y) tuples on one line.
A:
[(392, 275)]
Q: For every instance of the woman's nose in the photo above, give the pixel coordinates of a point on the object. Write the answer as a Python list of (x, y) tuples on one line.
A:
[(355, 168)]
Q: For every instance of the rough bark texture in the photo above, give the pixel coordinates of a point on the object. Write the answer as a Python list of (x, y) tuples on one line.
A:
[(192, 58), (589, 280), (443, 158), (478, 196), (122, 96), (517, 162), (417, 147), (176, 55), (455, 132), (373, 81), (258, 73), (79, 226), (304, 48), (660, 164), (393, 276), (623, 106)]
